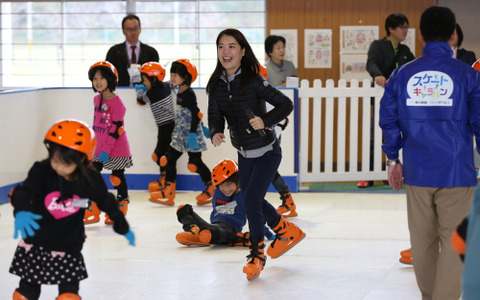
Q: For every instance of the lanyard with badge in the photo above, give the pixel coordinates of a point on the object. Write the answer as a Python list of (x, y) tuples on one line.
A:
[(134, 70), (396, 52)]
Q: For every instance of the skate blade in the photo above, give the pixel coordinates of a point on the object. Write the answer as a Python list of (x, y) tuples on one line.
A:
[(290, 215), (409, 263), (166, 202), (251, 276), (88, 222), (291, 246), (204, 202), (192, 244)]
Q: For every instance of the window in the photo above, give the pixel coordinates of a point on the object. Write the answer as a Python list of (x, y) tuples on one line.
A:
[(50, 44)]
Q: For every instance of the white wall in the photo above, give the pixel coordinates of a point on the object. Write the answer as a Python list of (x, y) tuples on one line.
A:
[(466, 13), (25, 117)]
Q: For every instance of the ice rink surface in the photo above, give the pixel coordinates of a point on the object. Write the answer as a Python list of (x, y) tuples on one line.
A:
[(351, 251)]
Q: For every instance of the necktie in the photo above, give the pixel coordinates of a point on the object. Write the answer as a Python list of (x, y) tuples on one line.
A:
[(134, 57)]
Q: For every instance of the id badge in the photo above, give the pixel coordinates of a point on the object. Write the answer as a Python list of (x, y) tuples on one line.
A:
[(134, 72), (82, 203)]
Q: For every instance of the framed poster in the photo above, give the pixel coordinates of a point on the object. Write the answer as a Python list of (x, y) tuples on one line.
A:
[(354, 66), (357, 39), (318, 48)]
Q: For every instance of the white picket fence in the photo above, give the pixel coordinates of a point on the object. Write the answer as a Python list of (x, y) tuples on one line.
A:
[(335, 132)]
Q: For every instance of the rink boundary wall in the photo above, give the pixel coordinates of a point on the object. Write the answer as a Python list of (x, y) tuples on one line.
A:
[(26, 114)]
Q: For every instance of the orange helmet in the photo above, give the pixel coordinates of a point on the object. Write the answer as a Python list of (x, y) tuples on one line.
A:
[(153, 69), (103, 65), (476, 65), (223, 170), (73, 134), (263, 71), (191, 69)]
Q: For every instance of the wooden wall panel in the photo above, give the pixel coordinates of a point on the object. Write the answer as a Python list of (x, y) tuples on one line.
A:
[(331, 14)]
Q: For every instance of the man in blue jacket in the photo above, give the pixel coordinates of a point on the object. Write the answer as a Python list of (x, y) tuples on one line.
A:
[(430, 109)]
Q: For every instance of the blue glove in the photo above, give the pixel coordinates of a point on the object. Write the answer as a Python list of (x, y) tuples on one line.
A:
[(192, 142), (206, 132), (130, 236), (140, 88), (25, 223), (103, 157)]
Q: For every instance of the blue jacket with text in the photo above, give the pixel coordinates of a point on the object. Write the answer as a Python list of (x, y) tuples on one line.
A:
[(430, 109)]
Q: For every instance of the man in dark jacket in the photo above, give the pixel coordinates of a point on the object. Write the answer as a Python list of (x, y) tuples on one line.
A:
[(127, 57), (387, 54), (384, 56)]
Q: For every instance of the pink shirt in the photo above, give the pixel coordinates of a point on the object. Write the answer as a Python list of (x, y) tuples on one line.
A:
[(105, 122)]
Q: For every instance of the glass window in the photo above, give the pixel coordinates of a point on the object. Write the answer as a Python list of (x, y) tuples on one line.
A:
[(58, 41)]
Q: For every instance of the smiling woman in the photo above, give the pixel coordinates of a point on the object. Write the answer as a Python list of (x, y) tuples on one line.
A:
[(237, 94), (230, 54)]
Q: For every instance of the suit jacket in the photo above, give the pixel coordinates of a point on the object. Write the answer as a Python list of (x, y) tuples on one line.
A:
[(466, 56), (118, 56)]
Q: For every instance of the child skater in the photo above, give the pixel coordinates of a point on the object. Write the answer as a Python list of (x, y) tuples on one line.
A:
[(49, 207), (288, 208), (113, 150), (237, 94), (227, 217), (187, 137), (159, 95)]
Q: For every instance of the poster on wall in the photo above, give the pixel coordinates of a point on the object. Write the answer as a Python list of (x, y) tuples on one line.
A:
[(410, 40), (354, 66), (291, 47), (357, 39), (318, 48)]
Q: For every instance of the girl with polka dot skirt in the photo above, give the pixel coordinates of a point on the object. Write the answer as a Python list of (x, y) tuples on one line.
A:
[(49, 207)]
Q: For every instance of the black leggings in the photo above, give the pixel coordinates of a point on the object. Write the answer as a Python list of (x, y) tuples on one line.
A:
[(164, 137), (193, 158), (31, 291), (222, 233), (122, 188), (280, 185)]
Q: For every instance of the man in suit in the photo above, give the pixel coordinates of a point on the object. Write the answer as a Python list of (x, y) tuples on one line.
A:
[(127, 57)]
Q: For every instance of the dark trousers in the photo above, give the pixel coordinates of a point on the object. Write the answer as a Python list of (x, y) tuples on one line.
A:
[(193, 158), (280, 185), (278, 182), (31, 291), (164, 138), (222, 233), (256, 174), (122, 188)]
